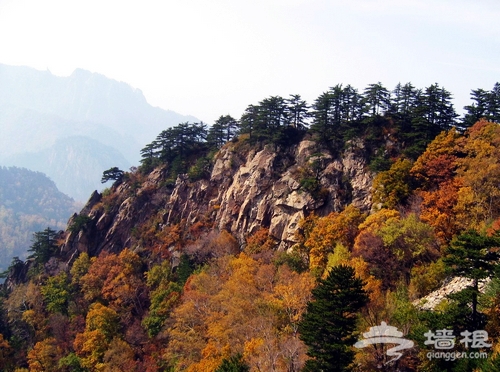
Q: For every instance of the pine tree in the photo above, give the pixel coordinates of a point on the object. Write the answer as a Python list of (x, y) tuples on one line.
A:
[(149, 154), (297, 111), (230, 126), (233, 364), (216, 135), (249, 121), (353, 106), (44, 245), (222, 131), (494, 104), (322, 124), (477, 110), (112, 174), (475, 256), (432, 113), (377, 98), (329, 322), (273, 114), (437, 108)]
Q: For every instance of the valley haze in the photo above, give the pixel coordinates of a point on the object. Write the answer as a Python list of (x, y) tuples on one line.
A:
[(73, 128)]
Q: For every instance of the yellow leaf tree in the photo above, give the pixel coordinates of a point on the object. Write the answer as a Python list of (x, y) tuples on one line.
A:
[(327, 231)]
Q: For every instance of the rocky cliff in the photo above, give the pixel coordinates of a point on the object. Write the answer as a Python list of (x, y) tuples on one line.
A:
[(246, 189), (450, 286)]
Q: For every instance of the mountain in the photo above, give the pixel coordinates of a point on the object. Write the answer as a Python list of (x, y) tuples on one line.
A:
[(212, 253), (170, 274), (29, 202), (70, 162), (245, 191), (38, 109)]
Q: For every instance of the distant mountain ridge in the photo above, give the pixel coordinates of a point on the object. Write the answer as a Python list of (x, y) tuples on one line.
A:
[(73, 158), (38, 108), (29, 202)]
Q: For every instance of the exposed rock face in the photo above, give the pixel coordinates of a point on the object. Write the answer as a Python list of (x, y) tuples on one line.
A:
[(453, 285), (245, 191)]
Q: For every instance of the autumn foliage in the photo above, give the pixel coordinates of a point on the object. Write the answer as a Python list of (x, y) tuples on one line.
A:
[(189, 297)]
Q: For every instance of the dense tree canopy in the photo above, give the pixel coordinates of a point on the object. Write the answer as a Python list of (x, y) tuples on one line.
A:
[(486, 104), (29, 202), (184, 295), (413, 116)]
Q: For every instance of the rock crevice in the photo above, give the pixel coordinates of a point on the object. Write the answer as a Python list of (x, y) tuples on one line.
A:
[(267, 188)]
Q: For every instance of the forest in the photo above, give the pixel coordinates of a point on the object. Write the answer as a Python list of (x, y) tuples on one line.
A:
[(186, 296), (29, 202)]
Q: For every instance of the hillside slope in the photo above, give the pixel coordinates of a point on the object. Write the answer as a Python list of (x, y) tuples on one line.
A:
[(38, 110), (74, 163), (246, 190), (29, 202), (211, 252)]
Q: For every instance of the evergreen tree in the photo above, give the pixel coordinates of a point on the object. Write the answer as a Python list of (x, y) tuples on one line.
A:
[(396, 101), (297, 111), (329, 322), (149, 154), (188, 138), (432, 113), (233, 364), (273, 114), (249, 121), (164, 144), (216, 135), (403, 105), (336, 106), (353, 106), (478, 109), (229, 125), (377, 98), (175, 146), (486, 104), (493, 112), (336, 115), (328, 111), (475, 256), (323, 125), (44, 245), (112, 174), (275, 120), (437, 108)]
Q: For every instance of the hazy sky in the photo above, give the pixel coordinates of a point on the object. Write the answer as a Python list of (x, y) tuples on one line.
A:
[(214, 57)]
